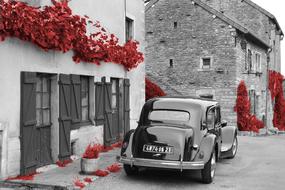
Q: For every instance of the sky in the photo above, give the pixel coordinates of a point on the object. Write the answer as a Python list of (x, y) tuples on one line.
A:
[(277, 8)]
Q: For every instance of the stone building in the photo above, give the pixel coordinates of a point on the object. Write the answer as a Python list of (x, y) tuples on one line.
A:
[(52, 108), (207, 47)]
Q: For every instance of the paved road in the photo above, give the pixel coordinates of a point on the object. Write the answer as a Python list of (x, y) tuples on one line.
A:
[(259, 165)]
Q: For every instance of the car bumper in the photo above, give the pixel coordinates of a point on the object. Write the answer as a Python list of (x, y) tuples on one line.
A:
[(161, 163)]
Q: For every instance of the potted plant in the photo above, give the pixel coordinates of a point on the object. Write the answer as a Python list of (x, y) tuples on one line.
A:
[(90, 158)]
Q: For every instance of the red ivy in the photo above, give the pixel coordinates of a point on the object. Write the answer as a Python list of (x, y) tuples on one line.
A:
[(87, 180), (152, 90), (245, 120), (56, 28), (92, 151), (114, 168), (79, 183), (63, 163), (276, 88), (101, 173), (23, 177)]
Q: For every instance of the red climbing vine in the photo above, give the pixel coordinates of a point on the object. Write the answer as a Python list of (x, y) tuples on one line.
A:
[(55, 27), (276, 88), (245, 120), (152, 90)]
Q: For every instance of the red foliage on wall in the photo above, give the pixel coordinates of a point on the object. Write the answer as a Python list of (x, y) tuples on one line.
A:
[(245, 120), (276, 88), (92, 151), (152, 90), (56, 28)]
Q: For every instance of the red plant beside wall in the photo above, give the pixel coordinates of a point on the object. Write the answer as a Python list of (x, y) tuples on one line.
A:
[(57, 28), (276, 88), (245, 120), (152, 90)]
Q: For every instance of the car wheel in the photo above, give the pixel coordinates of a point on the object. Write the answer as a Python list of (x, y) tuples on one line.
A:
[(234, 148), (209, 170), (131, 170)]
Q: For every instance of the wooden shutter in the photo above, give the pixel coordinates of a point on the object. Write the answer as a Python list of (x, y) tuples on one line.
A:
[(29, 154), (64, 116), (99, 103), (108, 135), (126, 105), (75, 99)]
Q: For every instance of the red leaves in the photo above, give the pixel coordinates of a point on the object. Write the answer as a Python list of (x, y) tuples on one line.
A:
[(56, 28), (79, 184), (23, 177), (245, 121), (152, 90), (114, 168), (87, 180), (101, 173), (276, 88), (92, 151), (63, 163)]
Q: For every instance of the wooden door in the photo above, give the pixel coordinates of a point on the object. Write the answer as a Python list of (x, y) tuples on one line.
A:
[(28, 138), (115, 108), (64, 116), (126, 105)]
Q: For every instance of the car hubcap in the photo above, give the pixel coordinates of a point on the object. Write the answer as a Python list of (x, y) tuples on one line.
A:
[(213, 165), (235, 146)]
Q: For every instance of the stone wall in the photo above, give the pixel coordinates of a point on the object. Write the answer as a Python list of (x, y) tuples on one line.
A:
[(198, 34)]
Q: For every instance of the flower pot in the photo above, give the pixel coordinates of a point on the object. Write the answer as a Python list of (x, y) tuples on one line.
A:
[(89, 166)]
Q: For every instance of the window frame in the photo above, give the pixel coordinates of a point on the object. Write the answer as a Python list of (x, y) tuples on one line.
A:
[(41, 76), (129, 28), (258, 64), (202, 63)]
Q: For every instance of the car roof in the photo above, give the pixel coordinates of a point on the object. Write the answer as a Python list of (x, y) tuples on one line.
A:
[(188, 100)]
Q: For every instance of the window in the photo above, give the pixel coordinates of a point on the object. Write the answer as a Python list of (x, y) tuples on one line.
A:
[(43, 100), (168, 115), (129, 29), (114, 93), (258, 62), (206, 63), (249, 60), (175, 24), (211, 119), (84, 98), (171, 63)]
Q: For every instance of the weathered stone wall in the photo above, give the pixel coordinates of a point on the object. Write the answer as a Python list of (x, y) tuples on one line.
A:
[(254, 20), (198, 34)]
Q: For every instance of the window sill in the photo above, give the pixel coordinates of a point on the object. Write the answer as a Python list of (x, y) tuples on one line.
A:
[(252, 73), (205, 70)]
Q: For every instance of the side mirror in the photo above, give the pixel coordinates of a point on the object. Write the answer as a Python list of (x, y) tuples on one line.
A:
[(224, 123)]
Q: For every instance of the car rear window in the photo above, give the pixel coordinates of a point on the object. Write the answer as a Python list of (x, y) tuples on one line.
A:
[(169, 115)]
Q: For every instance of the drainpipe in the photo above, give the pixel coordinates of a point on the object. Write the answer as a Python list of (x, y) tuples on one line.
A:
[(266, 89), (125, 15)]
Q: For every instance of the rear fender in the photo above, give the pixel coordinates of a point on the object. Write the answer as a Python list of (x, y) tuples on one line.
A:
[(207, 146), (127, 151), (228, 135)]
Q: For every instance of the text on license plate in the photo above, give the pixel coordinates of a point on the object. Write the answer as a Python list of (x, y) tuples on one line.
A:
[(158, 149)]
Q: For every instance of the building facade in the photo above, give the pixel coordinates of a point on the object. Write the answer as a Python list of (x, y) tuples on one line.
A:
[(52, 108), (194, 48)]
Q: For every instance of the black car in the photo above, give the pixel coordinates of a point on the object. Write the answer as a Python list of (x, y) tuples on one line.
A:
[(182, 133)]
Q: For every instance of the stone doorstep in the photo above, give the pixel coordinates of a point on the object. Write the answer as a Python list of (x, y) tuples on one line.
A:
[(54, 177)]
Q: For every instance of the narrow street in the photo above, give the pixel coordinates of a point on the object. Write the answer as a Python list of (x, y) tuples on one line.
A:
[(259, 164)]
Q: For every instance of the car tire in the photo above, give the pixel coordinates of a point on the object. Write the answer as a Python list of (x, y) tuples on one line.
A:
[(208, 173), (131, 170), (234, 148)]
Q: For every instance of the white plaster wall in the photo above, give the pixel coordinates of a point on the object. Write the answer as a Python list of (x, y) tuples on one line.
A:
[(17, 56)]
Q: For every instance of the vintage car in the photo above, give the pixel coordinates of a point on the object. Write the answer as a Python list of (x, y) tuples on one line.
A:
[(183, 133)]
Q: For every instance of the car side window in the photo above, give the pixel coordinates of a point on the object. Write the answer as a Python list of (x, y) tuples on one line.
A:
[(211, 119), (217, 115)]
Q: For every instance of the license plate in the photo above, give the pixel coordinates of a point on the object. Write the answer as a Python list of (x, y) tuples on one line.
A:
[(158, 149)]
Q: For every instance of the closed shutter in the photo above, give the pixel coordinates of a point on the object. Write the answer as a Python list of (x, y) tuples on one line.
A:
[(29, 154), (64, 116), (99, 103), (75, 100), (126, 105), (108, 134)]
